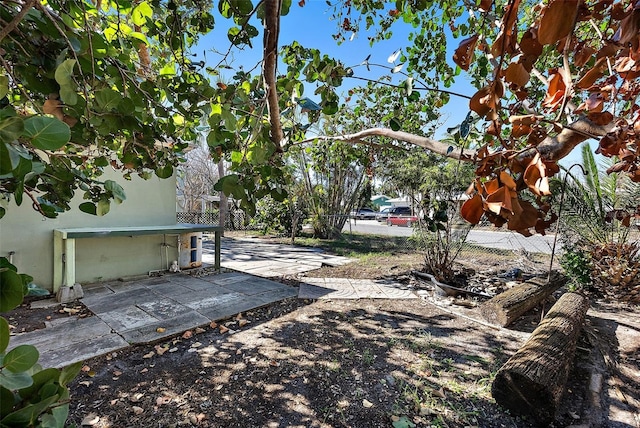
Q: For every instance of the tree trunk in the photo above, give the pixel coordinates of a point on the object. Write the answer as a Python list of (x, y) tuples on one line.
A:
[(224, 202), (507, 307), (533, 380)]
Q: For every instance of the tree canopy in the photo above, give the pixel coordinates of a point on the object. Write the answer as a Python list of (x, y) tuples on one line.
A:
[(86, 85)]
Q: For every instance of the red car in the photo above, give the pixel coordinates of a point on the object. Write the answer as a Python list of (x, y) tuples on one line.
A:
[(401, 216)]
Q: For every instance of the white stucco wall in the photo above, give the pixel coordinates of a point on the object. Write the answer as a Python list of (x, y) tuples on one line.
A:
[(149, 202)]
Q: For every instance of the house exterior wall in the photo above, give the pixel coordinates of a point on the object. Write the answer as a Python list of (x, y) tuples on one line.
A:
[(149, 202)]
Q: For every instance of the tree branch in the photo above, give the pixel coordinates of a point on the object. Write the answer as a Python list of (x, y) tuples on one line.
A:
[(16, 19), (435, 146), (559, 146), (552, 148), (271, 32)]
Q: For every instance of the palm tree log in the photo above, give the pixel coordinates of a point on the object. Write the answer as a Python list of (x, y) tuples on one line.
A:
[(507, 307), (533, 380)]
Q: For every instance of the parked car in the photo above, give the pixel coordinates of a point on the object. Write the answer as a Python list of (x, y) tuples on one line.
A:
[(401, 216), (364, 214), (383, 214)]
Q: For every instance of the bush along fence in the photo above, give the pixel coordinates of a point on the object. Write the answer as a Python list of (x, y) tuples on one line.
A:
[(236, 220)]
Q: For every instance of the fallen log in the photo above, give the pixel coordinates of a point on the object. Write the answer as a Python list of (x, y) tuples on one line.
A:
[(533, 380), (507, 307)]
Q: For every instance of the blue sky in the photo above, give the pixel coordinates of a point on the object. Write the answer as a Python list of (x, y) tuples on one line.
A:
[(312, 27)]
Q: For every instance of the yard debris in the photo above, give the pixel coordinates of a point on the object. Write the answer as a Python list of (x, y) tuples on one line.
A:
[(137, 410), (149, 355), (161, 349), (200, 330), (187, 334), (367, 404), (242, 322), (90, 420), (160, 330), (213, 324), (163, 400), (223, 329)]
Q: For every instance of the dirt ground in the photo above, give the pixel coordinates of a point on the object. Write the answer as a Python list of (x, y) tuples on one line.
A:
[(345, 363)]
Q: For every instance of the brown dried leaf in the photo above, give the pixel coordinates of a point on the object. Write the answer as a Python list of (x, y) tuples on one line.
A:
[(163, 400), (472, 209), (54, 108), (601, 118), (500, 199), (629, 30), (529, 44), (505, 43), (485, 5), (583, 54), (526, 219), (464, 53), (594, 73), (507, 180), (187, 334), (491, 186), (557, 21), (535, 178), (516, 74), (486, 101), (555, 91)]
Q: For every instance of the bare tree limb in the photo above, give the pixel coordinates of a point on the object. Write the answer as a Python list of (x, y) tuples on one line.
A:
[(559, 146), (433, 145), (4, 32), (271, 32), (552, 148)]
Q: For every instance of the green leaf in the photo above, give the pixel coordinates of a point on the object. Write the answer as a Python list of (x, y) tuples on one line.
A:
[(88, 207), (164, 171), (285, 6), (141, 12), (116, 189), (41, 378), (9, 159), (330, 108), (4, 334), (4, 86), (69, 373), (14, 381), (64, 72), (6, 401), (403, 422), (11, 290), (47, 133), (108, 99), (103, 207), (2, 212), (28, 415), (68, 95), (57, 417), (11, 128), (395, 124), (21, 358)]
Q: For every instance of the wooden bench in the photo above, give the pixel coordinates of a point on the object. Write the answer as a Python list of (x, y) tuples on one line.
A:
[(64, 244)]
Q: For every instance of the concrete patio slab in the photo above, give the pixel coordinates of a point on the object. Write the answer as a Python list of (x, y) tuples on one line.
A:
[(145, 310), (340, 288)]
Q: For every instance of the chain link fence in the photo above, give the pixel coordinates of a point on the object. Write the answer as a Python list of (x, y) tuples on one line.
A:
[(484, 242), (236, 220)]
